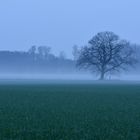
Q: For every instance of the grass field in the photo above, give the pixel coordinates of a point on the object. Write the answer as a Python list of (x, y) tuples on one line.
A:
[(70, 111)]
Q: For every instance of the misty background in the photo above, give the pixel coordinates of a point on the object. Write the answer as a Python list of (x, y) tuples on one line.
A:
[(60, 25)]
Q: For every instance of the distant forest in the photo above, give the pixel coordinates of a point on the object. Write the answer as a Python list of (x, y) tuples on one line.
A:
[(35, 60), (41, 60)]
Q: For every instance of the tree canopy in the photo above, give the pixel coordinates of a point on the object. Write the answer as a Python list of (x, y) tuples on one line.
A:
[(106, 53)]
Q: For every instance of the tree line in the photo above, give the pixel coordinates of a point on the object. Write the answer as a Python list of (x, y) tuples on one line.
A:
[(36, 60), (105, 54)]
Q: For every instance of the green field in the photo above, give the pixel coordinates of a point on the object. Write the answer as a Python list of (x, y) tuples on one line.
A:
[(70, 111)]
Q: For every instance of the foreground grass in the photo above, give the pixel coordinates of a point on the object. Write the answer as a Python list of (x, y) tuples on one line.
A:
[(70, 112)]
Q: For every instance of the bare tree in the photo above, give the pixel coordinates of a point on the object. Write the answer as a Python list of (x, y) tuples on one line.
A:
[(44, 51), (106, 54), (62, 55), (32, 52), (75, 52)]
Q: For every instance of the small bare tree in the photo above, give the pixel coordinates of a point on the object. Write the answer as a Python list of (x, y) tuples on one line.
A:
[(32, 51), (44, 51), (75, 52), (106, 54), (62, 55)]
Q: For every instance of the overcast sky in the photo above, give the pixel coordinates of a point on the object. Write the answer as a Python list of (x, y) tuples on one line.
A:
[(63, 23)]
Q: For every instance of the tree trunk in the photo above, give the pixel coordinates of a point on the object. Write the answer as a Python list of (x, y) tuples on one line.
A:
[(102, 76)]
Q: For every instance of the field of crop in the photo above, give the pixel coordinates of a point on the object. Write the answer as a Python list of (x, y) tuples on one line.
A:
[(70, 111)]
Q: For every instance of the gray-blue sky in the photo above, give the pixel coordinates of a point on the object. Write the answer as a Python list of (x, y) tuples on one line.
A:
[(63, 23)]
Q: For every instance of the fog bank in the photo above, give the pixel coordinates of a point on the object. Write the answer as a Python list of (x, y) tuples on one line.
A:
[(129, 77)]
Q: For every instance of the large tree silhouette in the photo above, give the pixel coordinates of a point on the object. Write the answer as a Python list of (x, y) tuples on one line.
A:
[(106, 53)]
